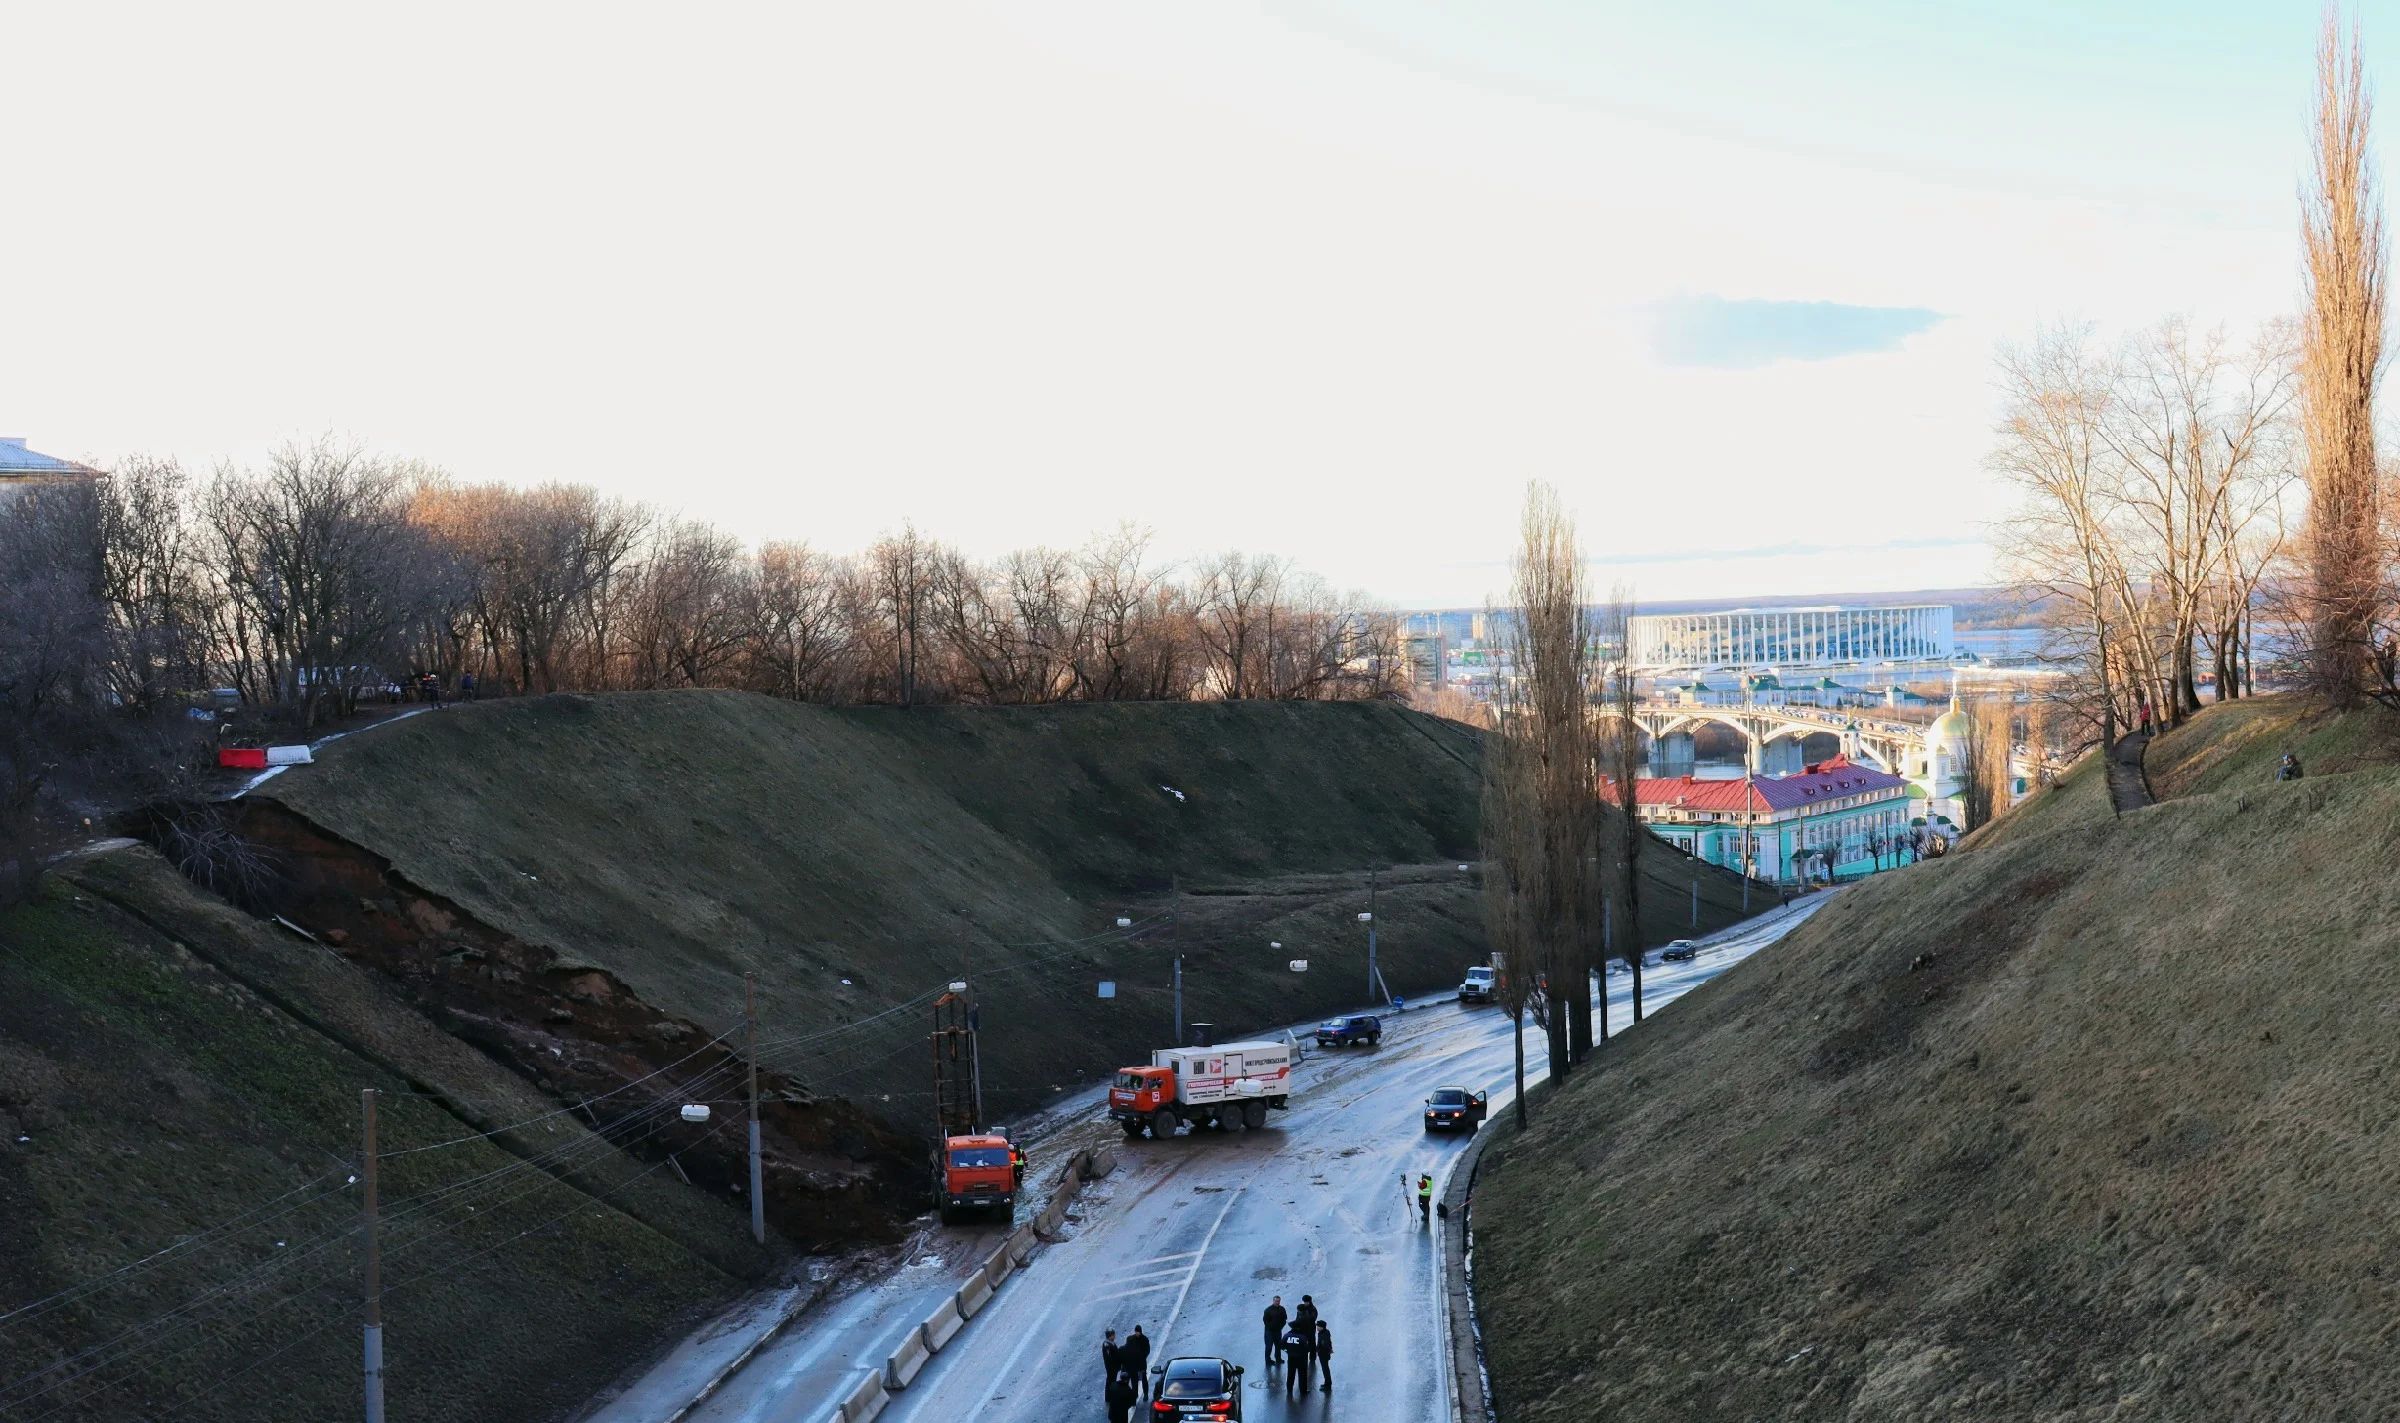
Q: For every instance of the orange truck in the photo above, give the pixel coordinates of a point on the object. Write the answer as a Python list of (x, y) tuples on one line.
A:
[(1227, 1087), (980, 1172)]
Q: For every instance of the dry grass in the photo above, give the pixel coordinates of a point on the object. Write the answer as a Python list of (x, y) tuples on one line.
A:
[(2120, 1150), (2236, 745), (679, 838), (159, 1095)]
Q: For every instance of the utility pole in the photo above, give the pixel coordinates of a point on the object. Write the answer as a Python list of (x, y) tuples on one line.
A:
[(1179, 1000), (1374, 976), (367, 1175), (1695, 901), (758, 1193)]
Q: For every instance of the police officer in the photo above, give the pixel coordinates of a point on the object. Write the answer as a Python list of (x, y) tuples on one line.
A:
[(1274, 1320), (1299, 1348)]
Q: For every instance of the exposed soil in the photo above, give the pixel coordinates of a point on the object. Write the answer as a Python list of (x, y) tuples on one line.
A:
[(833, 1174)]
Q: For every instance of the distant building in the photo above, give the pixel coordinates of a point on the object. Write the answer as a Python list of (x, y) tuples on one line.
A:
[(1794, 637), (1427, 659), (21, 468), (1834, 818)]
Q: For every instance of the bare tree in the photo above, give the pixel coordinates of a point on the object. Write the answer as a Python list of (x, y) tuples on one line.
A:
[(803, 640), (1515, 868), (1553, 659), (323, 573), (1622, 837), (2341, 359), (1984, 761), (901, 573), (53, 660)]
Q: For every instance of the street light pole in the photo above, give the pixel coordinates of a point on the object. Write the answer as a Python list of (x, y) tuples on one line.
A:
[(374, 1265), (758, 1194)]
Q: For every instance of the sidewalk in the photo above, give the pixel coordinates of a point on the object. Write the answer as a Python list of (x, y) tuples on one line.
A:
[(2128, 784)]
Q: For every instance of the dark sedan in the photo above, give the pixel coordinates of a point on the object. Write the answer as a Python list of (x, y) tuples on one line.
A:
[(1453, 1108), (1351, 1030), (1196, 1388)]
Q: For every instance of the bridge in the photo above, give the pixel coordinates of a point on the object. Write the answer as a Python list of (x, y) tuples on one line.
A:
[(1888, 745)]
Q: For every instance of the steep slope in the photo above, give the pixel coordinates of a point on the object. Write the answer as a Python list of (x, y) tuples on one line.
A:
[(2092, 1123), (158, 1082), (858, 859)]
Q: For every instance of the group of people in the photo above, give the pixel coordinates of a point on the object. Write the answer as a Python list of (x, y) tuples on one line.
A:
[(1128, 1366), (1299, 1339)]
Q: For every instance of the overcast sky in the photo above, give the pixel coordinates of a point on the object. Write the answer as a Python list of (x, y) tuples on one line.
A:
[(1326, 279)]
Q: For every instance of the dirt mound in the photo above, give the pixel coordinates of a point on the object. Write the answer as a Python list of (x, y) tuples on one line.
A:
[(2091, 1121)]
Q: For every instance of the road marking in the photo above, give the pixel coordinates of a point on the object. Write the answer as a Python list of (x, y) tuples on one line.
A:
[(1178, 1255), (1176, 1309), (1149, 1275), (1140, 1290)]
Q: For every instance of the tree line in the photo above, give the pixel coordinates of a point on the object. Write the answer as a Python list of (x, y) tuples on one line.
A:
[(2186, 499), (327, 574)]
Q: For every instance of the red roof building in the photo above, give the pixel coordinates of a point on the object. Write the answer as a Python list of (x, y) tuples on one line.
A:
[(1834, 820)]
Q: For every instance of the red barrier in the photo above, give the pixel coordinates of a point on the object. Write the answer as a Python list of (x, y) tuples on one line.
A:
[(243, 758)]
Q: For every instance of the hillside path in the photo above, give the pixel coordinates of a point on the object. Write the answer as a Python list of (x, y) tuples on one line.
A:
[(2128, 788)]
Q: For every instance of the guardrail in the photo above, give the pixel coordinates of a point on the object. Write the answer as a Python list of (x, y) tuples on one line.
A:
[(875, 1387)]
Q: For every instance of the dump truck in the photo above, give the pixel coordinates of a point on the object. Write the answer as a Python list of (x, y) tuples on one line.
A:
[(979, 1172), (1230, 1087)]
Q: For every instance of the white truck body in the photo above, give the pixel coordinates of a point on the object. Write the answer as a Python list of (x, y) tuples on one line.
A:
[(1228, 1071)]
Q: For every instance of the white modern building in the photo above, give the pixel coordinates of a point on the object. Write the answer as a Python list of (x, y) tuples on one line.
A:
[(1793, 637)]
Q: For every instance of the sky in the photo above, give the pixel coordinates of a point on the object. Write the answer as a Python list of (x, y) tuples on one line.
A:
[(1332, 280)]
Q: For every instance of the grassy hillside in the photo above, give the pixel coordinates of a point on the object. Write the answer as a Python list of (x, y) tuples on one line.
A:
[(2090, 1123), (154, 1084), (2237, 744), (855, 858)]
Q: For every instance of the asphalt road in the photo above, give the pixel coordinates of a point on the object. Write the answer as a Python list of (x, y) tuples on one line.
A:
[(1192, 1235)]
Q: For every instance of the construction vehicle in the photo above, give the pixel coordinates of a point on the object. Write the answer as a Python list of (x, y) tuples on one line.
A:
[(1485, 982), (1231, 1086), (976, 1170)]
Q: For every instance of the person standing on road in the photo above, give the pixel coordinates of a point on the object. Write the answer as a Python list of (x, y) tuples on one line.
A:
[(1136, 1357), (1304, 1318), (1274, 1320), (1425, 1198), (1325, 1352), (1299, 1347), (1112, 1356), (1122, 1396)]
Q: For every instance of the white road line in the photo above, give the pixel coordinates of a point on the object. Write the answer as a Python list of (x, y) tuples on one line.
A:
[(1148, 1275), (1141, 1290), (1175, 1310), (1178, 1255)]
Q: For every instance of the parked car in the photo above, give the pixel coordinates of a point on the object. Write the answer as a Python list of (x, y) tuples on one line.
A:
[(1349, 1029), (1679, 951), (1196, 1388), (1450, 1108)]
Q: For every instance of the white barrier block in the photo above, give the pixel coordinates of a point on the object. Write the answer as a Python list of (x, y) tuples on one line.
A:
[(944, 1325), (973, 1293), (1021, 1245), (906, 1361), (998, 1268), (289, 756), (1104, 1161), (866, 1400)]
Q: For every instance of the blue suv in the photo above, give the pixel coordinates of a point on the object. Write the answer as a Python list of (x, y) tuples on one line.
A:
[(1356, 1028)]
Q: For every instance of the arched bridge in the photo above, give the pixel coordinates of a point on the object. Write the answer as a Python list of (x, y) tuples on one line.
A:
[(1893, 746)]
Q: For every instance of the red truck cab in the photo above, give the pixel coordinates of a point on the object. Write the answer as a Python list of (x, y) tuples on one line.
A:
[(978, 1172), (1139, 1091)]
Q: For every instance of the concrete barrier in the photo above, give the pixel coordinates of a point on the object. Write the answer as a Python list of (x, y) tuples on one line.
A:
[(906, 1361), (974, 1292), (1103, 1161), (999, 1267), (1052, 1216), (943, 1326), (866, 1400), (1020, 1246)]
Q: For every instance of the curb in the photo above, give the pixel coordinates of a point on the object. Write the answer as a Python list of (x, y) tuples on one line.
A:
[(1470, 1394), (875, 1388), (715, 1381)]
